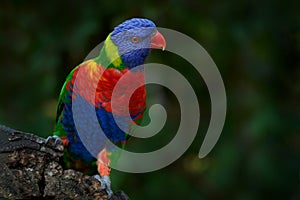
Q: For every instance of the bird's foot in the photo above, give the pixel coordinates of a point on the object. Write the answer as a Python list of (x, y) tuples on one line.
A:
[(105, 184), (55, 141)]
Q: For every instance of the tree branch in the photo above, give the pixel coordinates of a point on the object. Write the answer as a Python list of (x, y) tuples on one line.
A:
[(30, 169)]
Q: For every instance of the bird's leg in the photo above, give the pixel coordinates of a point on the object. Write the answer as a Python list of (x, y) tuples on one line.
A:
[(104, 171), (103, 163)]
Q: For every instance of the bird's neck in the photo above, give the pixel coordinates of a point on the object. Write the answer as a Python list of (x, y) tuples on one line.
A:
[(109, 56)]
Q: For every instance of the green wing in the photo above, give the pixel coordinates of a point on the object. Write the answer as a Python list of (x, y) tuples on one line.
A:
[(62, 100)]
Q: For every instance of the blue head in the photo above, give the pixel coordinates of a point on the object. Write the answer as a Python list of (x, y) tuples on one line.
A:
[(134, 38)]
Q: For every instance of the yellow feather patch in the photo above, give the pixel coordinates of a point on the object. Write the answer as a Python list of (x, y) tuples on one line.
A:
[(112, 52)]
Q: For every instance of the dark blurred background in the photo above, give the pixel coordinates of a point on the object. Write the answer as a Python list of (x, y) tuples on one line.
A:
[(256, 46)]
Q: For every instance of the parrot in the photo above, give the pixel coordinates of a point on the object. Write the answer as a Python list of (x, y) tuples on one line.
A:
[(91, 85)]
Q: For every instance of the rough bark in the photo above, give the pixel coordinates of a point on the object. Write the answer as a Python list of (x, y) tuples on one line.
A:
[(30, 169)]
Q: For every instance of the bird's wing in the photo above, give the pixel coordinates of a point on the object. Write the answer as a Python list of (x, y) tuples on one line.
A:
[(63, 96)]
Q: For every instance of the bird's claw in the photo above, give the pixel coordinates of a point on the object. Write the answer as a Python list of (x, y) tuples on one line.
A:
[(105, 184), (54, 141)]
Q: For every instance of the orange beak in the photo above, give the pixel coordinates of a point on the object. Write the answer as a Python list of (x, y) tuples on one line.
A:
[(158, 41)]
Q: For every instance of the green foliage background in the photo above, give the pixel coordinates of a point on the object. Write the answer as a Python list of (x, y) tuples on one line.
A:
[(255, 44)]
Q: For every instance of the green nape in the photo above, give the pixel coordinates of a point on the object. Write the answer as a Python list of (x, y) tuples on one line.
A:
[(109, 56)]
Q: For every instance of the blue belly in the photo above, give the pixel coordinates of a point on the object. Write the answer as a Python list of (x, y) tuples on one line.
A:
[(86, 139)]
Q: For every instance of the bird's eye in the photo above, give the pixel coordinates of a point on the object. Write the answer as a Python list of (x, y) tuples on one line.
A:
[(135, 39)]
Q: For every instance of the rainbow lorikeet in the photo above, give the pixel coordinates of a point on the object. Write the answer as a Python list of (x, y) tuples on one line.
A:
[(126, 47)]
